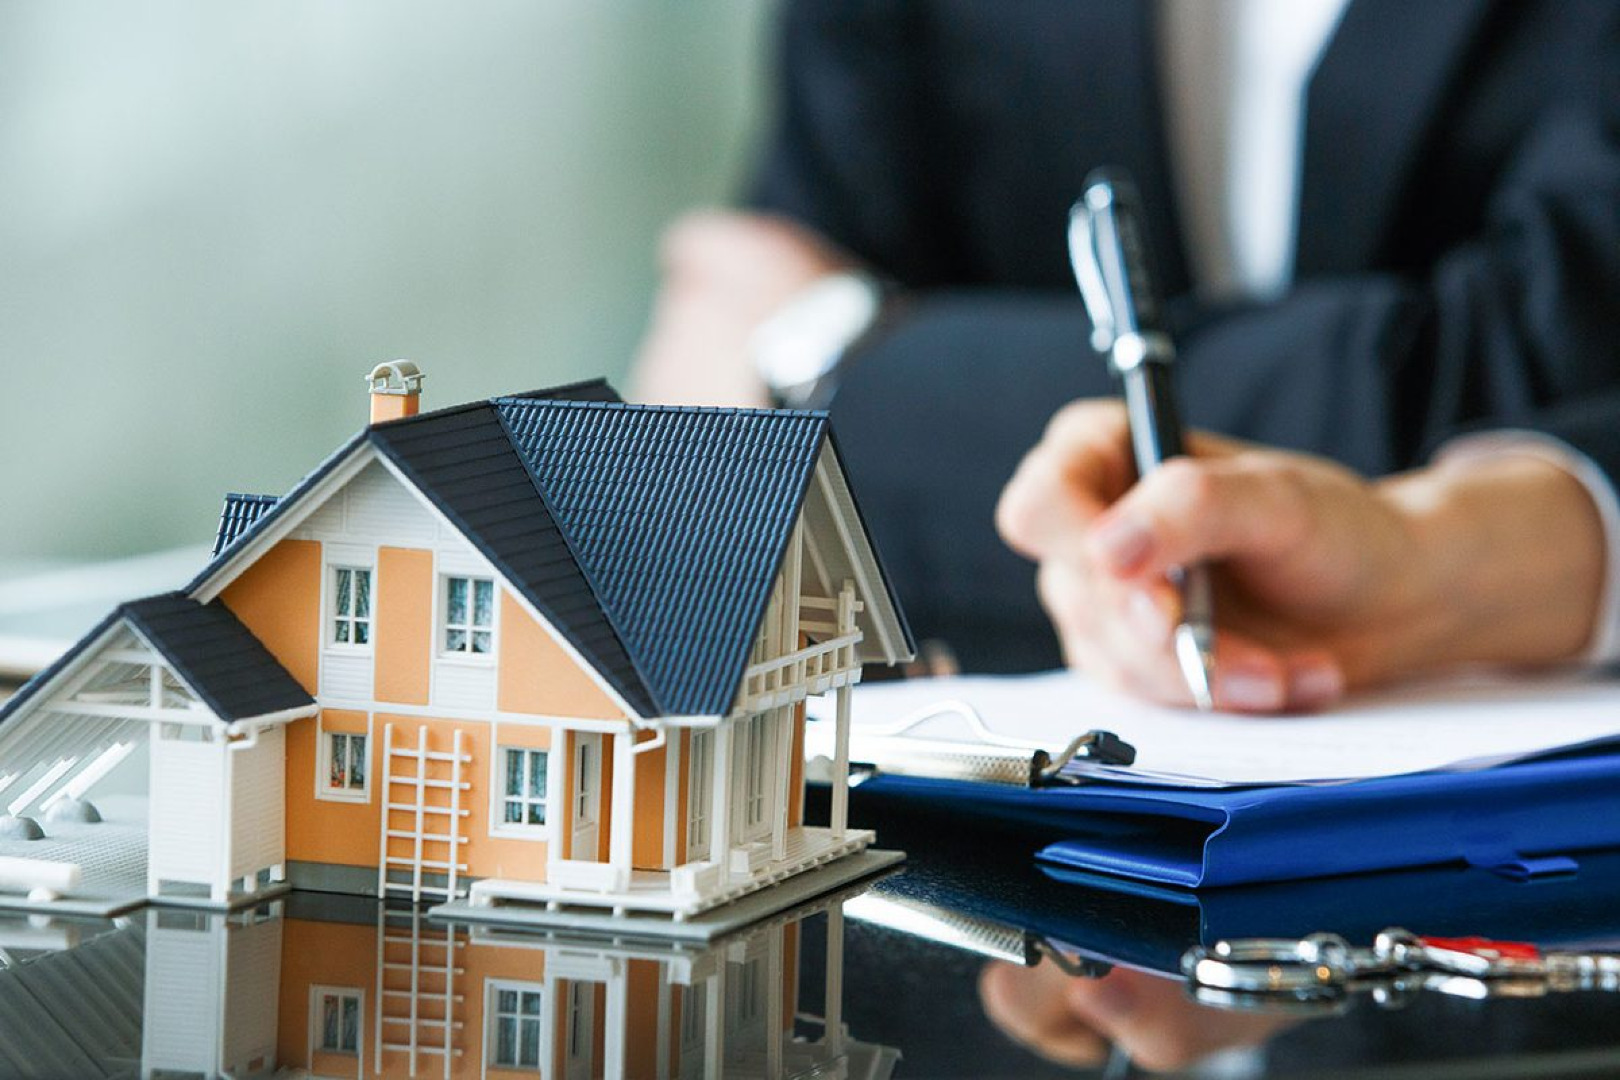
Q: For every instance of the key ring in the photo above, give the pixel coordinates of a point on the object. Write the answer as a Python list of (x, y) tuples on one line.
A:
[(1320, 972), (1316, 964)]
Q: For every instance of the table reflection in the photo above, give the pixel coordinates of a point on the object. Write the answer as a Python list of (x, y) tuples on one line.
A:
[(343, 987)]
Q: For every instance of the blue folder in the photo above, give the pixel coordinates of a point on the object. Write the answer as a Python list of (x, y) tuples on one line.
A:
[(1145, 926), (1527, 820)]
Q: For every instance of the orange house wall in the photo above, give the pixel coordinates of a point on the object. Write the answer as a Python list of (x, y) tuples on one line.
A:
[(349, 833), (649, 839), (538, 678), (404, 618), (278, 598), (339, 955), (325, 830), (642, 979)]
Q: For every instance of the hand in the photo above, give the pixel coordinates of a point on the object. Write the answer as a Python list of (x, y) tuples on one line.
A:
[(723, 274), (1324, 580), (1073, 1021)]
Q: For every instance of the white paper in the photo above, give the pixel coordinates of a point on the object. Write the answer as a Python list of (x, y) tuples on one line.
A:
[(1465, 723)]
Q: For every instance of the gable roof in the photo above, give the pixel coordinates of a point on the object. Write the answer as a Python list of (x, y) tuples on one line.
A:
[(219, 658), (680, 518), (464, 462), (648, 536)]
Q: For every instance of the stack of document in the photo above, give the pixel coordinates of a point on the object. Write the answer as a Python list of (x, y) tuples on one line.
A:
[(1510, 774)]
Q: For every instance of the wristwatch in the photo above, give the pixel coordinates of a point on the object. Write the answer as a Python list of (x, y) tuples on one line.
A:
[(799, 348)]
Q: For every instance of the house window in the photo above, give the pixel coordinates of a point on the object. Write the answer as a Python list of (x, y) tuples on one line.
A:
[(469, 616), (700, 788), (523, 788), (337, 1020), (516, 1020), (351, 606), (345, 762)]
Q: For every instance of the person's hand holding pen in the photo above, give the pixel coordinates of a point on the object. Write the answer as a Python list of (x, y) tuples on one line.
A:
[(1324, 580)]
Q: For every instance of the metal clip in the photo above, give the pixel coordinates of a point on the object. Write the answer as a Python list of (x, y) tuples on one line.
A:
[(1103, 747)]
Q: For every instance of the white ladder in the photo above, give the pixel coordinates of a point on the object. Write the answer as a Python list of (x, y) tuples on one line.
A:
[(416, 989), (423, 799)]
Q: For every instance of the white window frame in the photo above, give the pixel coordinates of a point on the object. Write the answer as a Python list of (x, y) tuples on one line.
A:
[(492, 991), (441, 621), (323, 764), (699, 794), (354, 558), (499, 826), (334, 616), (317, 1029)]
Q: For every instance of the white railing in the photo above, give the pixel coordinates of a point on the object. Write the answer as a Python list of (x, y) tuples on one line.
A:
[(588, 876), (694, 880), (799, 672)]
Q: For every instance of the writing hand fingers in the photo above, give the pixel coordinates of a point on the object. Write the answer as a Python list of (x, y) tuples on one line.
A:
[(1121, 634)]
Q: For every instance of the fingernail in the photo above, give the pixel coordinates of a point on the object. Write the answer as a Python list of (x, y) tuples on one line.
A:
[(1252, 691), (1314, 685), (1121, 542), (1146, 616)]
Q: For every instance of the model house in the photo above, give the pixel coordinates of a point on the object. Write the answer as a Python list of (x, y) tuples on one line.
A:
[(551, 648)]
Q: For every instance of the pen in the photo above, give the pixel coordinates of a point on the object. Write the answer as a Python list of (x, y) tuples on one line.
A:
[(1109, 257)]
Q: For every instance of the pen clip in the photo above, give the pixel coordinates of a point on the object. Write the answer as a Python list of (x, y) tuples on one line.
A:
[(1083, 258)]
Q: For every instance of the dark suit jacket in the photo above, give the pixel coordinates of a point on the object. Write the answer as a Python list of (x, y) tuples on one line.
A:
[(1458, 259)]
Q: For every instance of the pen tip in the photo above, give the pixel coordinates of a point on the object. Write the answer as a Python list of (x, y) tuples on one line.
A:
[(1197, 662)]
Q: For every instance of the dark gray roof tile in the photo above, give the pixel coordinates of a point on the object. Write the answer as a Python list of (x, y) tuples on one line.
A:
[(679, 518), (238, 516)]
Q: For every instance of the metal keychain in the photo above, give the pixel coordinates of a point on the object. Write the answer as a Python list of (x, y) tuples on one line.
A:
[(1322, 972)]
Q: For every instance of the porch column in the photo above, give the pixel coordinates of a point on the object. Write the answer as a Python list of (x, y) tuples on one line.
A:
[(781, 782), (720, 809), (616, 1025), (714, 1020), (622, 827), (833, 1013), (840, 777), (558, 795), (776, 1022)]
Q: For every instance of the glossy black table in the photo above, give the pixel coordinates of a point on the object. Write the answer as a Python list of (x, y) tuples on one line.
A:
[(970, 962)]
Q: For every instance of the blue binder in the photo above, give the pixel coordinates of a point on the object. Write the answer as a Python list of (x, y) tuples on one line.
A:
[(1118, 921), (1526, 819)]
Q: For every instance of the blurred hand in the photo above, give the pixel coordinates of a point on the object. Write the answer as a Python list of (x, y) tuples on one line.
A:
[(1324, 580), (723, 274), (1074, 1021)]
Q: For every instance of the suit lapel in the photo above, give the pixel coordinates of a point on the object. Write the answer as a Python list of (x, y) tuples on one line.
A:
[(1373, 100)]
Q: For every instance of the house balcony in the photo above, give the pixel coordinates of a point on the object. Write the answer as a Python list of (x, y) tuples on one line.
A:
[(789, 679), (679, 893)]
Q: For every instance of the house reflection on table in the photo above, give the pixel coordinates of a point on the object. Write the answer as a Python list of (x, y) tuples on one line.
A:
[(341, 987)]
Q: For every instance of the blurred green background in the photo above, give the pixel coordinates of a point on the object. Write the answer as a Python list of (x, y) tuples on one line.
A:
[(215, 218)]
